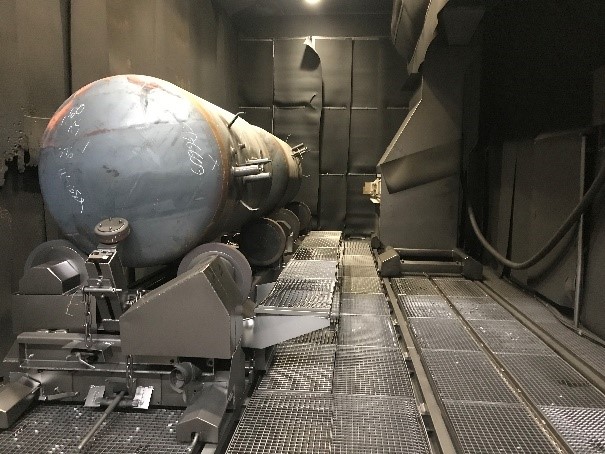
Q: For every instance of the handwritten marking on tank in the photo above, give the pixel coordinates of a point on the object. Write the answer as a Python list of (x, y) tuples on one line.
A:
[(73, 127), (73, 191), (194, 151)]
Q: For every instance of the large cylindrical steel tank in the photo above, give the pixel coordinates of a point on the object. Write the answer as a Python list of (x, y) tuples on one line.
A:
[(177, 167)]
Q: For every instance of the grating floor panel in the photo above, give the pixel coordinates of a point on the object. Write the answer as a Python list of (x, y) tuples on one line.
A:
[(442, 334), (414, 286), (302, 367), (367, 330), (325, 233), (324, 336), (425, 306), (582, 428), (480, 309), (509, 336), (59, 428), (371, 371), (301, 293), (355, 247), (362, 304), (276, 422), (323, 253), (467, 376), (459, 287), (309, 269), (358, 260), (502, 428), (548, 380), (320, 241), (361, 285), (364, 424), (359, 271)]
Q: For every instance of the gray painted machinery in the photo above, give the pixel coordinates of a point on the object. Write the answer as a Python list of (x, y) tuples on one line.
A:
[(140, 173)]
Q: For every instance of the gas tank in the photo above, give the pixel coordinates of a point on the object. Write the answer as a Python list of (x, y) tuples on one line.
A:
[(181, 170)]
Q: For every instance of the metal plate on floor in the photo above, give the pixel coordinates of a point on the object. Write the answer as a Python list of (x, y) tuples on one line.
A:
[(358, 260), (355, 247), (324, 253), (362, 285), (480, 309), (497, 428), (459, 287), (414, 286), (371, 371), (56, 428), (509, 336), (376, 424), (426, 306), (548, 380), (364, 304), (320, 241), (306, 269), (359, 271), (325, 233), (582, 428), (441, 334), (300, 367), (367, 330), (466, 376), (276, 422)]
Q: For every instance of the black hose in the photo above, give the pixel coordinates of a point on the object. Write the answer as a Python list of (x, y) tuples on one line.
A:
[(559, 234)]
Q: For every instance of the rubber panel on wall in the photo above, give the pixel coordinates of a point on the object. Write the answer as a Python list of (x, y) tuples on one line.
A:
[(366, 138), (255, 73), (297, 74), (361, 212), (259, 116), (335, 140), (336, 61), (296, 125), (333, 202), (366, 73)]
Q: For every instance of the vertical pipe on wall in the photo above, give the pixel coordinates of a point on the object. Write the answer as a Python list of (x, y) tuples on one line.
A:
[(580, 259)]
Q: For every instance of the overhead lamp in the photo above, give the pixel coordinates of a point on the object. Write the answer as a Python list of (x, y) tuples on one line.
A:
[(312, 2)]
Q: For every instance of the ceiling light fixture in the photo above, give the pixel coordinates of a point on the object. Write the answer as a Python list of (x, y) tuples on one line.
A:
[(312, 2)]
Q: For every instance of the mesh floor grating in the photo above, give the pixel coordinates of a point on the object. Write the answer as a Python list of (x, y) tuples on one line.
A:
[(362, 304), (276, 422), (302, 367), (307, 269), (480, 309), (497, 428), (548, 380), (371, 371), (324, 336), (467, 376), (459, 287), (359, 271), (361, 285), (320, 241), (59, 428), (323, 253), (582, 428), (297, 293), (325, 233), (358, 260), (353, 247), (364, 424), (414, 286), (425, 306), (367, 330), (441, 334), (509, 336)]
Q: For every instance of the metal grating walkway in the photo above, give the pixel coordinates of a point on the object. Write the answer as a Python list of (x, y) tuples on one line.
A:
[(343, 389)]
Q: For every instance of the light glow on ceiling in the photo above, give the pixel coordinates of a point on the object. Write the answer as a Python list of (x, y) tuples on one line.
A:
[(312, 2)]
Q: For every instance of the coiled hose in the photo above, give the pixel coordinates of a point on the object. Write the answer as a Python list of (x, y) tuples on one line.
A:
[(574, 216)]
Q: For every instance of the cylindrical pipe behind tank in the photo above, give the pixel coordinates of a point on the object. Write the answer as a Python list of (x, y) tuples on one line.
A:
[(143, 149)]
